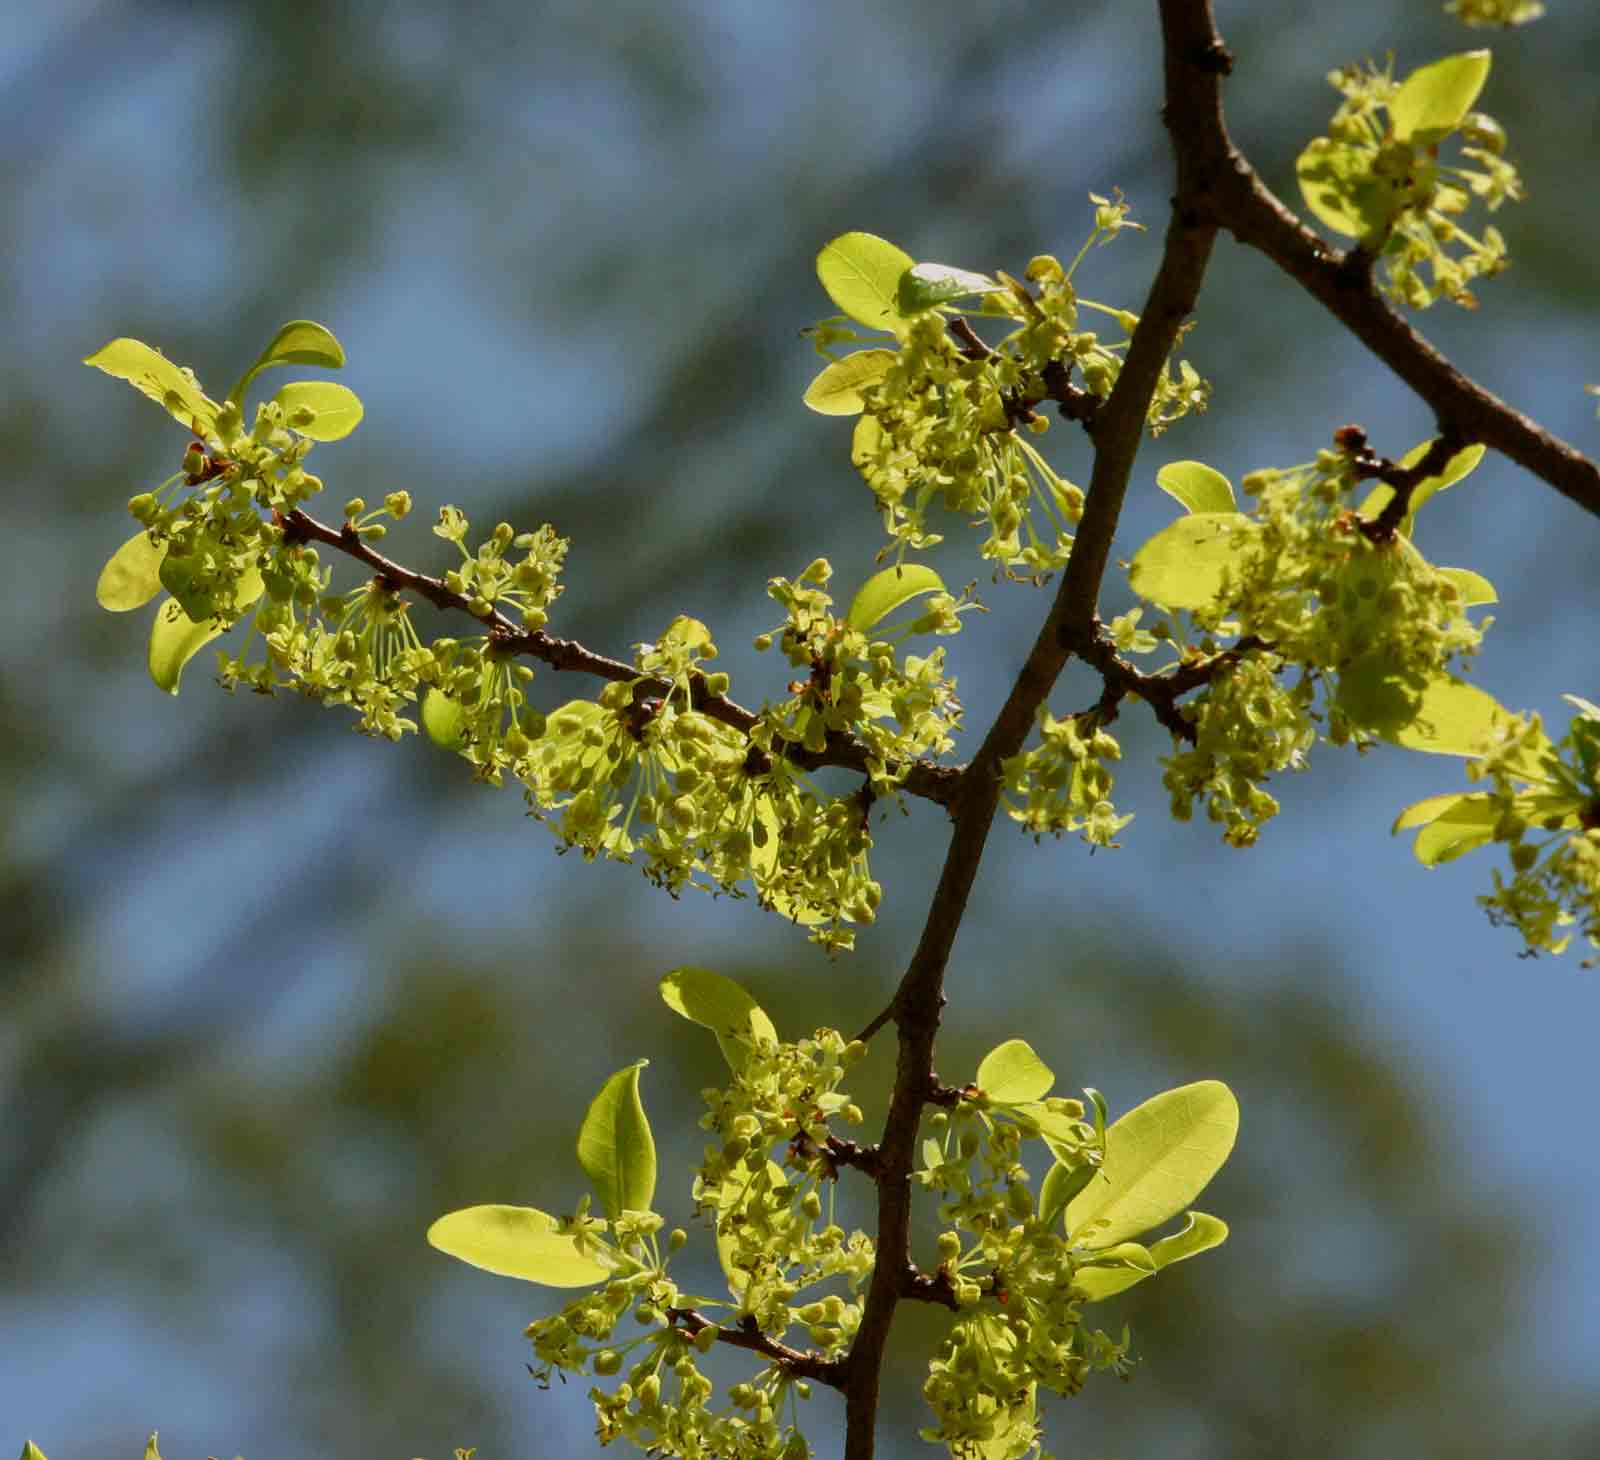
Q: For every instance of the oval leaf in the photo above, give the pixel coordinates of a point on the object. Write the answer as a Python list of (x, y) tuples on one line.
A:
[(1200, 488), (150, 373), (1433, 99), (175, 638), (1159, 1157), (1442, 715), (1061, 1183), (1013, 1073), (1474, 588), (615, 1147), (519, 1242), (861, 273), (722, 1006), (923, 286), (1183, 565), (1338, 185), (303, 342), (444, 719), (884, 592), (338, 409), (132, 575), (837, 390)]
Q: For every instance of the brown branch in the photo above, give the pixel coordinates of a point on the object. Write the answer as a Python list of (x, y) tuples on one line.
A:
[(1404, 480), (799, 1362), (1160, 691), (1228, 193), (932, 782), (1116, 430)]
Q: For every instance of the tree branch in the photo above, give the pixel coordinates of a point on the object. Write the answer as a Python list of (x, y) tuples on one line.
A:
[(932, 782), (1116, 429), (1229, 193)]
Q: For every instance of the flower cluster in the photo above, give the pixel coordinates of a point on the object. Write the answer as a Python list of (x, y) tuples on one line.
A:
[(940, 413), (1063, 783), (901, 709), (1377, 176)]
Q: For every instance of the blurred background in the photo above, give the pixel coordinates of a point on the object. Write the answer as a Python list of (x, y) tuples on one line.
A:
[(274, 996)]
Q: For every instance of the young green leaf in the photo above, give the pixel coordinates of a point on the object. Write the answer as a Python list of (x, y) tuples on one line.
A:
[(520, 1242), (1442, 715), (1474, 588), (1183, 565), (1013, 1073), (837, 389), (1200, 488), (31, 1451), (334, 410), (175, 638), (615, 1147), (1061, 1183), (925, 286), (722, 1006), (150, 1450), (300, 342), (1434, 99), (861, 273), (444, 719), (1340, 188), (885, 591), (1159, 1156), (1199, 1233), (150, 373), (131, 576)]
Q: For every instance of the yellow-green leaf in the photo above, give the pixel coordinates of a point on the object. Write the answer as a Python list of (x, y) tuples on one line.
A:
[(520, 1242), (175, 638), (1184, 565), (1199, 1234), (131, 576), (151, 1451), (615, 1147), (1200, 488), (1452, 825), (444, 719), (1433, 99), (1013, 1073), (885, 591), (1339, 186), (1474, 588), (334, 410), (31, 1451), (150, 373), (299, 342), (1159, 1157), (1441, 715), (837, 389), (722, 1006), (861, 273)]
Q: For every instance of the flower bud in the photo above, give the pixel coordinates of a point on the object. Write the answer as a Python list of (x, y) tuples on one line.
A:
[(354, 507), (398, 504), (607, 1362)]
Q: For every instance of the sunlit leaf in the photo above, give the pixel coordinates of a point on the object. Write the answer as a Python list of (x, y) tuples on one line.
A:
[(132, 575), (1433, 99), (1184, 565), (1459, 829), (1061, 1183), (150, 373), (861, 273), (1338, 185), (615, 1147), (722, 1006), (520, 1242), (444, 719), (151, 1450), (1442, 715), (837, 389), (300, 342), (31, 1451), (1199, 1234), (884, 592), (1474, 588), (175, 638), (1012, 1072), (1200, 488), (337, 410), (1159, 1157), (923, 286)]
